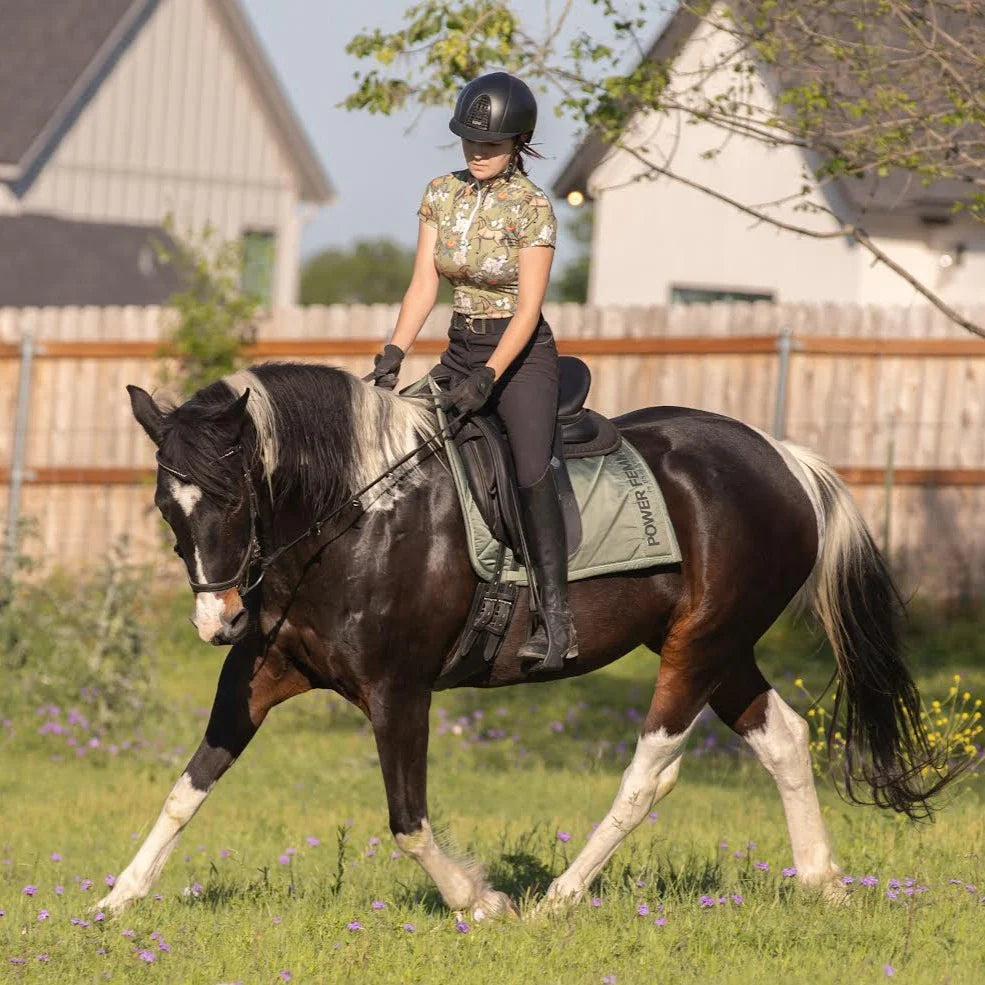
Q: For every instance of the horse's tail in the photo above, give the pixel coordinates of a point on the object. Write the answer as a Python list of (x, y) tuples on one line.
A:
[(852, 593)]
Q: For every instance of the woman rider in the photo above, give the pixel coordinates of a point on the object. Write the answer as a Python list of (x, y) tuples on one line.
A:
[(491, 232)]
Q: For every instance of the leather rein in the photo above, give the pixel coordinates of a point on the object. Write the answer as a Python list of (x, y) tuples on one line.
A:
[(253, 556)]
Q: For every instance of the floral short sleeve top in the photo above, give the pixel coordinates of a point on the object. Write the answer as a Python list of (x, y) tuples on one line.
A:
[(481, 229)]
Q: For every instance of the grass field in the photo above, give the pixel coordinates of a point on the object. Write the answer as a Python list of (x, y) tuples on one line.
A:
[(289, 873)]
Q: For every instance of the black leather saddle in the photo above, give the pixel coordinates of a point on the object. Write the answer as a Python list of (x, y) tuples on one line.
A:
[(483, 446)]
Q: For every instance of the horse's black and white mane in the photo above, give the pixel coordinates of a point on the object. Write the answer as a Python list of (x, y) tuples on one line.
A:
[(320, 433)]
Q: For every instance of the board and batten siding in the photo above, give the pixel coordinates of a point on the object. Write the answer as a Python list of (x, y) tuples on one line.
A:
[(178, 128)]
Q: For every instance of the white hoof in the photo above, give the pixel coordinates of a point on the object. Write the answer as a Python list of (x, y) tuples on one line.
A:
[(557, 899), (493, 905)]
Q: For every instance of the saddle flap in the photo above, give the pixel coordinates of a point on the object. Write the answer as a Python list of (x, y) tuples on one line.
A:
[(574, 382)]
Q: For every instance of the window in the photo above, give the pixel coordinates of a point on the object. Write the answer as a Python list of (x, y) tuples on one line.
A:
[(705, 295), (258, 263)]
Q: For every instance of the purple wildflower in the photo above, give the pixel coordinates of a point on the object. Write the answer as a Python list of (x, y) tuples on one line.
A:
[(462, 927), (164, 946), (110, 880), (378, 904), (596, 901), (847, 880), (374, 840), (869, 881), (196, 889), (29, 890), (59, 890), (85, 885), (660, 921), (290, 851), (370, 853), (888, 970), (893, 883), (43, 958), (43, 915), (55, 857), (128, 933), (409, 927), (3, 912), (737, 899), (707, 901), (763, 866), (312, 841), (18, 960), (99, 917), (354, 925), (149, 956), (284, 859), (723, 900), (643, 910), (394, 854), (790, 871), (276, 921), (738, 854), (158, 897), (285, 976), (609, 980), (563, 836), (892, 894), (156, 936), (225, 853)]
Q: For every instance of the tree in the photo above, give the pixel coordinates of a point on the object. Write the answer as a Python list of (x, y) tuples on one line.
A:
[(369, 272), (870, 90), (213, 318), (571, 284)]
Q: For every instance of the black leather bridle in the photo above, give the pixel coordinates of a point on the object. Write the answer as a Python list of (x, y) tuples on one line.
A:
[(253, 556)]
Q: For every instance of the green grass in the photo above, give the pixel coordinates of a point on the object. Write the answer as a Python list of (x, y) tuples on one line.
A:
[(312, 771)]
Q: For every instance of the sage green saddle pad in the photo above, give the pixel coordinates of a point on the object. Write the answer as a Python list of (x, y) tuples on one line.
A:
[(624, 519)]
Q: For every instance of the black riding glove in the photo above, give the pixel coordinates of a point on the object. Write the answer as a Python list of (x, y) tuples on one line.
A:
[(471, 393), (386, 366)]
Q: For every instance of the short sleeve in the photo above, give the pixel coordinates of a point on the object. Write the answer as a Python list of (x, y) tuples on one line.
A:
[(537, 225), (428, 211)]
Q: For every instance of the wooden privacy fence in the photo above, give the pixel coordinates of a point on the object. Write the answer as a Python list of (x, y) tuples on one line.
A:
[(895, 399)]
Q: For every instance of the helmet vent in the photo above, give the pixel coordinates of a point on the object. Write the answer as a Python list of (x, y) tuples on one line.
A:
[(479, 113)]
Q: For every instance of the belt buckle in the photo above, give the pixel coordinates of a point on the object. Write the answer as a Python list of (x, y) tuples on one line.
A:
[(471, 326)]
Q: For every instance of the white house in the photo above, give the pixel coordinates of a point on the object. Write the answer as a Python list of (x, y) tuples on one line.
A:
[(116, 113), (656, 241)]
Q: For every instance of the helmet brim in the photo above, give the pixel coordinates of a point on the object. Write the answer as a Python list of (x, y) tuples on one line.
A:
[(479, 136)]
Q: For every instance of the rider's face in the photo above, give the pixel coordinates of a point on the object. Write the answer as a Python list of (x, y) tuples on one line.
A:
[(486, 160)]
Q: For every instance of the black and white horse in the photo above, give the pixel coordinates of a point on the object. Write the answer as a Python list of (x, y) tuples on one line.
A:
[(373, 608)]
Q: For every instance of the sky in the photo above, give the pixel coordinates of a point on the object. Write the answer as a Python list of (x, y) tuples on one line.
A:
[(379, 167)]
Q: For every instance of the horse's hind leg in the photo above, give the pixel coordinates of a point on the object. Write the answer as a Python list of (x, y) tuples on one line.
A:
[(780, 739), (249, 686), (679, 696)]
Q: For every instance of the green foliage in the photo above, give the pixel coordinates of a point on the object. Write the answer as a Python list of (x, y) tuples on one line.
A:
[(79, 640), (213, 317), (369, 272), (571, 283)]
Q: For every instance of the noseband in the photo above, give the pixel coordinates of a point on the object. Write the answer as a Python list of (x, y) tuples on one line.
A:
[(252, 555)]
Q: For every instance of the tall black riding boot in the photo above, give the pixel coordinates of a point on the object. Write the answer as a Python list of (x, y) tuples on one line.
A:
[(554, 639)]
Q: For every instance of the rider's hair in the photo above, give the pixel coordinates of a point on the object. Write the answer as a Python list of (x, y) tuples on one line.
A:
[(522, 147)]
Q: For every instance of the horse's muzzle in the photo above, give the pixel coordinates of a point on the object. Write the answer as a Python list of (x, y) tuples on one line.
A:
[(232, 630)]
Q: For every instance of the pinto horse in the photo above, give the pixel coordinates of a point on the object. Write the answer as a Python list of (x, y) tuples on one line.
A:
[(371, 603)]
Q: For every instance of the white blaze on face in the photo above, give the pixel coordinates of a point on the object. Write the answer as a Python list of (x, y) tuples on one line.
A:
[(209, 607), (185, 495)]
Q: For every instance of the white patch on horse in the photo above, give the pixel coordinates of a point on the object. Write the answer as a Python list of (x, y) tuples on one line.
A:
[(137, 878), (457, 883), (209, 607), (185, 495), (263, 414), (652, 774), (386, 427), (782, 747)]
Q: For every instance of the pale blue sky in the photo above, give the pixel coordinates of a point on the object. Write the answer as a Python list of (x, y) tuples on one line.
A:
[(378, 169)]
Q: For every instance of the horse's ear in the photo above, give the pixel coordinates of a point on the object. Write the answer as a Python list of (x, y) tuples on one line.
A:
[(235, 413), (149, 416)]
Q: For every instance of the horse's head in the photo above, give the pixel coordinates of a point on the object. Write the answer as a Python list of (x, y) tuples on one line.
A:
[(205, 495)]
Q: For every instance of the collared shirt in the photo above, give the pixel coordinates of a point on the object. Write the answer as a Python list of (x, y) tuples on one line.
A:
[(481, 230)]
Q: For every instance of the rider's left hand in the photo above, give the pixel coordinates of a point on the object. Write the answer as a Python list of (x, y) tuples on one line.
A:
[(470, 394)]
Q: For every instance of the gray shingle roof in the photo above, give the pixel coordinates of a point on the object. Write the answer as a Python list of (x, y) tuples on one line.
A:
[(46, 46), (50, 261)]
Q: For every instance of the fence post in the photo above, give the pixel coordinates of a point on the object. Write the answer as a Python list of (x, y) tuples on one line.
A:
[(17, 470), (784, 347), (890, 479)]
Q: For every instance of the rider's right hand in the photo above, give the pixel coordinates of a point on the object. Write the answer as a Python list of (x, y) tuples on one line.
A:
[(386, 366)]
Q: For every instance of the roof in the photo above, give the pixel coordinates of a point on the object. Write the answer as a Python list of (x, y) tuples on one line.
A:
[(51, 261), (54, 54), (899, 192)]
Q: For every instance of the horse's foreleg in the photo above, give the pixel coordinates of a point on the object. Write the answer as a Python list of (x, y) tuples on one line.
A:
[(247, 689), (651, 774), (400, 724)]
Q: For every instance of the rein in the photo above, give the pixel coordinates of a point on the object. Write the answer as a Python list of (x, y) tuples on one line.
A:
[(253, 556)]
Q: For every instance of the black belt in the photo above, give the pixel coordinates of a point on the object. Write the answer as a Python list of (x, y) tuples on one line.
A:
[(479, 326)]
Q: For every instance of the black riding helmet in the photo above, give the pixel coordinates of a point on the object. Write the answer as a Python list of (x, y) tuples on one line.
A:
[(494, 107)]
